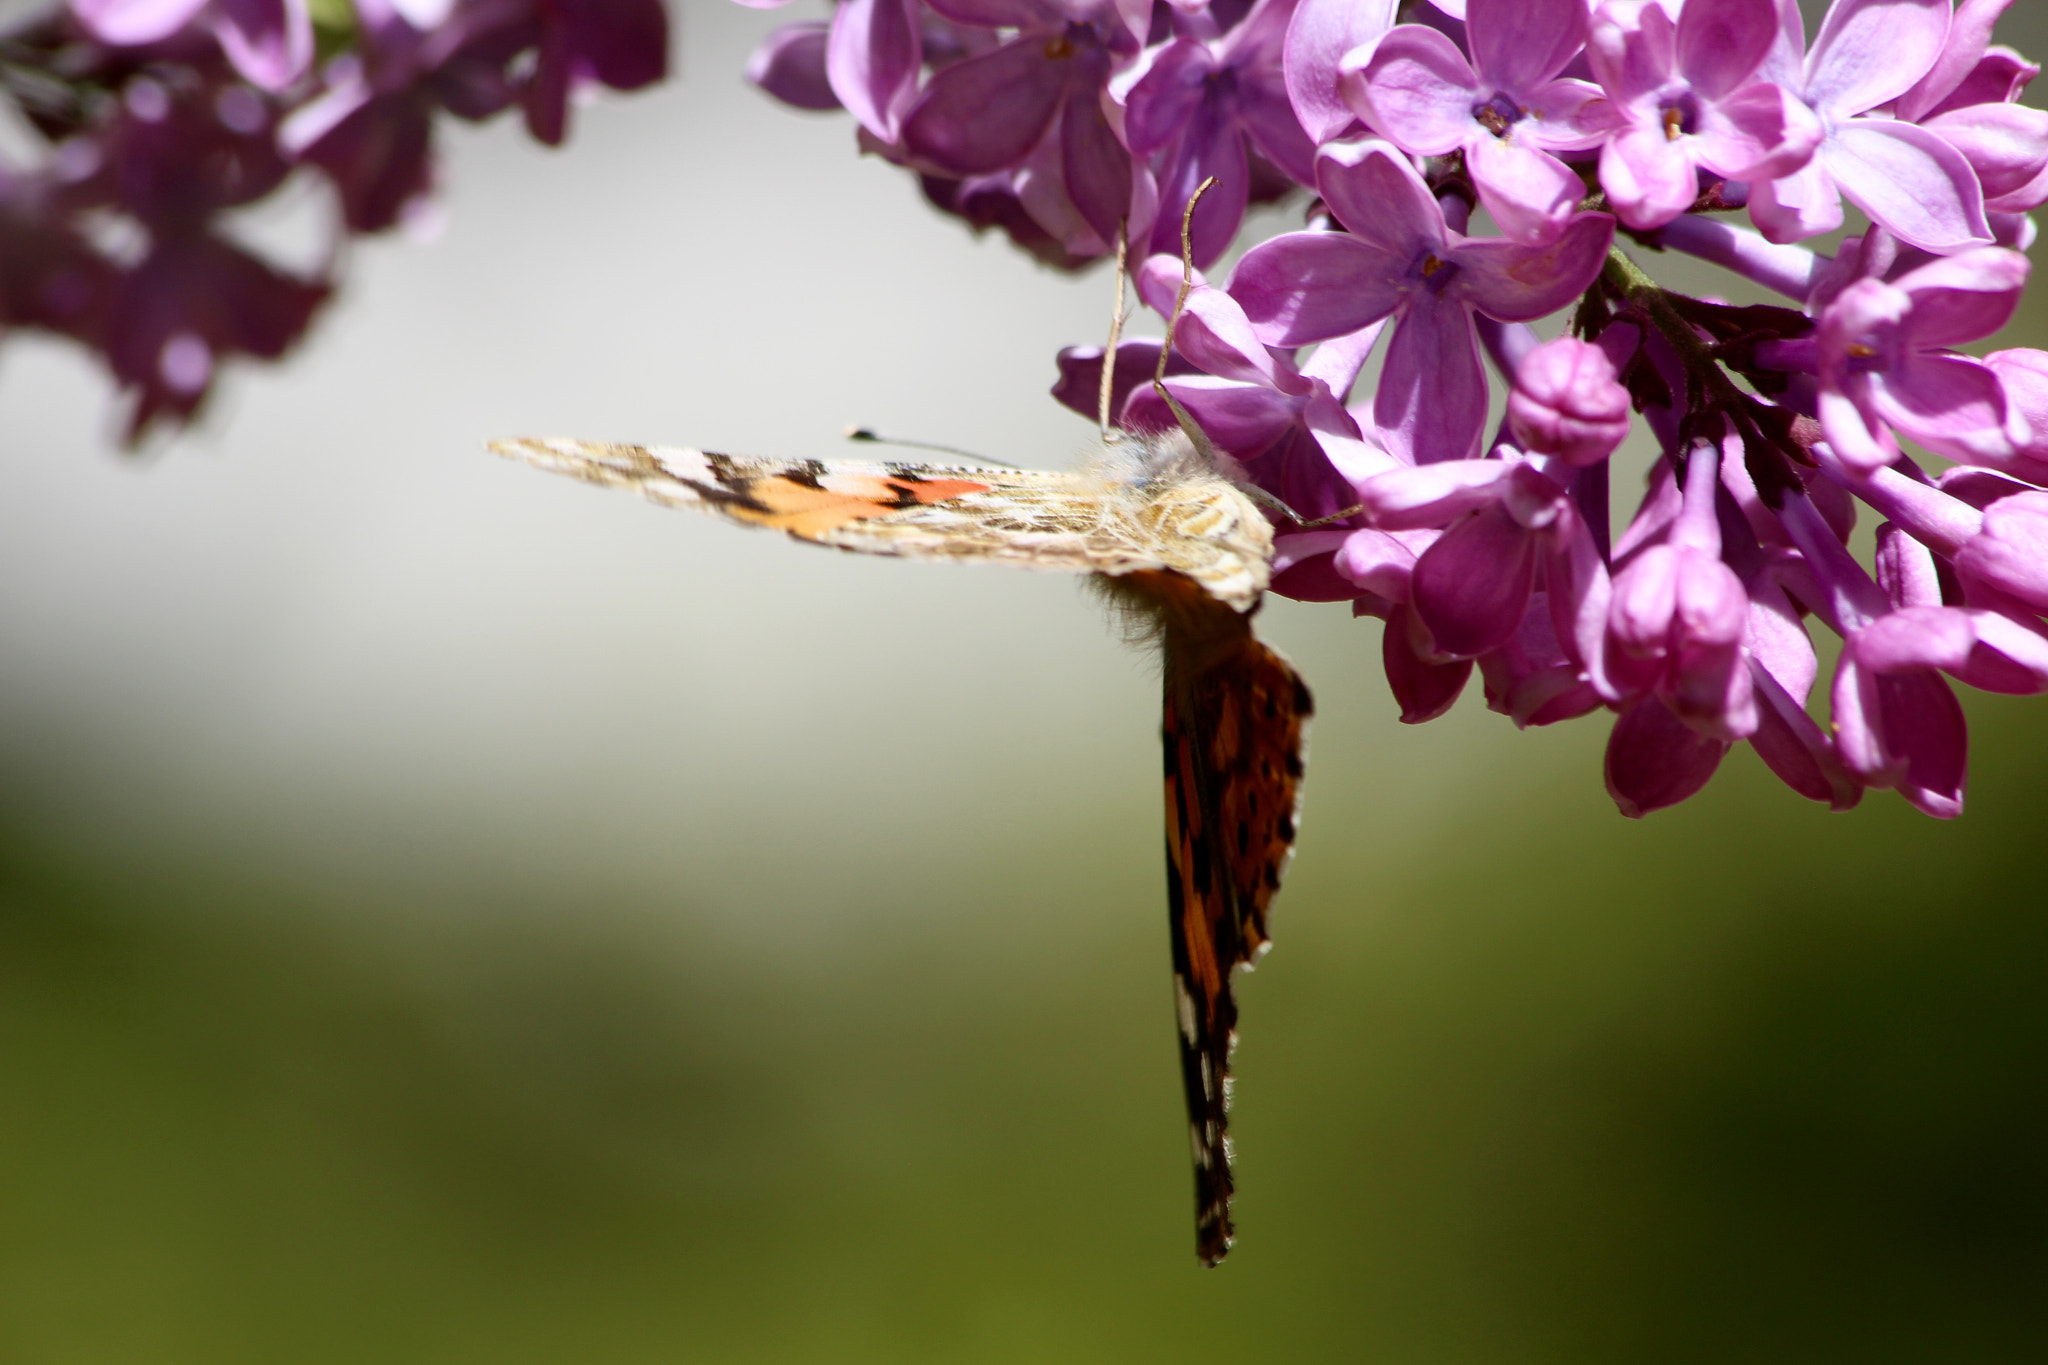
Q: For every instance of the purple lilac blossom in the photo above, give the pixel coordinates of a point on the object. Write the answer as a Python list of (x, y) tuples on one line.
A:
[(161, 118), (1506, 106), (1685, 101), (1400, 258), (1907, 178)]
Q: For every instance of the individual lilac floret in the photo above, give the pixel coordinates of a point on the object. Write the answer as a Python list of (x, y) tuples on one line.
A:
[(1883, 361), (1868, 54), (269, 41), (1200, 102), (1568, 402), (1400, 258), (1686, 100), (1506, 108), (1503, 521), (1039, 93)]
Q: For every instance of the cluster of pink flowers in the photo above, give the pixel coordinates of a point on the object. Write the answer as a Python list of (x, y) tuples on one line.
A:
[(1567, 122), (160, 118)]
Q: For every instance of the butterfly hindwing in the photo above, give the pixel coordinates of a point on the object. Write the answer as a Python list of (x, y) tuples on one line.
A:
[(1235, 715)]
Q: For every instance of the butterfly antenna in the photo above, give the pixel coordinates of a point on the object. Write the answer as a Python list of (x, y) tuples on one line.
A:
[(1187, 422), (1194, 431), (1116, 327), (873, 437)]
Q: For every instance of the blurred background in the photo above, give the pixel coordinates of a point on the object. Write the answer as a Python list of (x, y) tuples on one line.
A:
[(447, 913)]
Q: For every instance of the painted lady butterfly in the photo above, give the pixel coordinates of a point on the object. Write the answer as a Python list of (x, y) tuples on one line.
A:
[(1187, 555)]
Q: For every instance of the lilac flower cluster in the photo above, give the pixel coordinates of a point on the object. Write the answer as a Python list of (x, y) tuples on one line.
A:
[(1565, 123), (160, 118)]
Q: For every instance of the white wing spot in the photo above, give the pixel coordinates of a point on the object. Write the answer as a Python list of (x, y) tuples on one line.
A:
[(1185, 1004)]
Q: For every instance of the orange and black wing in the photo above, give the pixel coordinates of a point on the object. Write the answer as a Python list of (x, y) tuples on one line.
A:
[(1234, 724)]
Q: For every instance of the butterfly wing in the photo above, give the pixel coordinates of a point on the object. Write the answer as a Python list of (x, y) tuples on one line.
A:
[(1235, 719), (1042, 520)]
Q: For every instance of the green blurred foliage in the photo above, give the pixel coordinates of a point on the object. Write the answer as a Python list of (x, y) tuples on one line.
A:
[(1746, 1081)]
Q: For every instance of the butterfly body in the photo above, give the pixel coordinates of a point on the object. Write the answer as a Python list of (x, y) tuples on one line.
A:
[(1185, 554)]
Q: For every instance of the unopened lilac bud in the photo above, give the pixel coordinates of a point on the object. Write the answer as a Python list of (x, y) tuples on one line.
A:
[(1568, 402)]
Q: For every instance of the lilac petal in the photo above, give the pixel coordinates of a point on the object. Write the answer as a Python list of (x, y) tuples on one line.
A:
[(1080, 383), (1581, 595), (1857, 437), (1166, 96), (987, 112), (1424, 690), (1655, 760), (1320, 34), (1632, 61), (1983, 648), (1431, 403), (1377, 195), (1416, 88), (1472, 586), (1001, 13), (1517, 45), (1378, 562), (2023, 371), (1306, 286), (790, 65), (1910, 181), (270, 42), (1242, 419), (1210, 146), (1903, 730), (619, 43), (2000, 77), (1924, 723), (1953, 405), (1277, 133), (2011, 656), (1213, 331), (1869, 52), (1905, 567), (1794, 207), (1777, 640), (1530, 193), (127, 23), (1645, 596), (2005, 144), (1517, 283), (1338, 361), (378, 154), (1648, 177), (1796, 749), (873, 58), (2012, 549), (1095, 166), (1413, 498), (1720, 43), (1969, 35), (1304, 567), (1760, 132)]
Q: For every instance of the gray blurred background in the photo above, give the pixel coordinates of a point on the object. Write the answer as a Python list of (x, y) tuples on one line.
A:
[(447, 913)]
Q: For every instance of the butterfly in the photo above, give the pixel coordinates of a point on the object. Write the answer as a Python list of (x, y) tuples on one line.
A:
[(1185, 554)]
